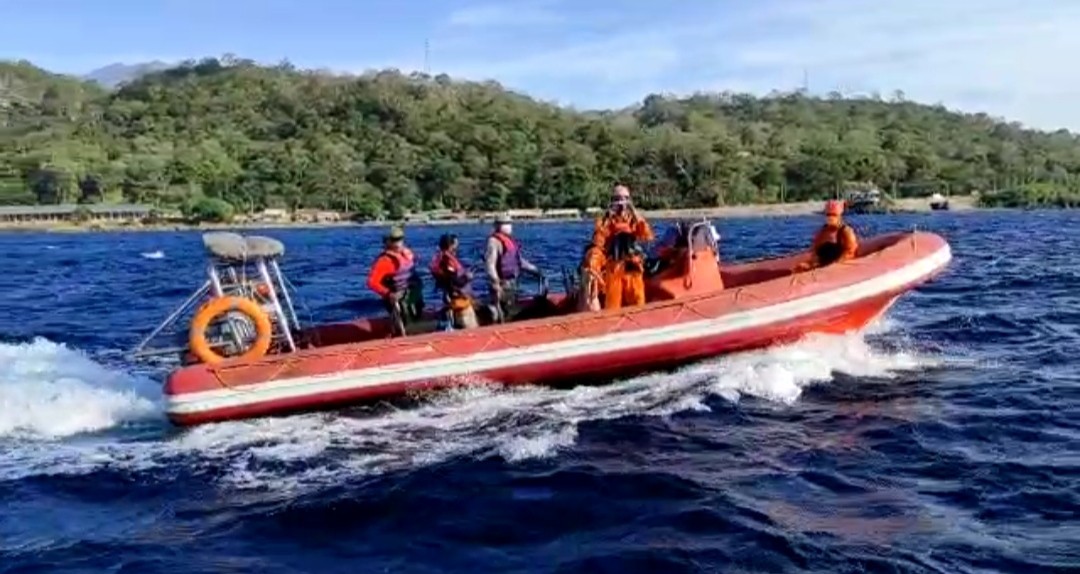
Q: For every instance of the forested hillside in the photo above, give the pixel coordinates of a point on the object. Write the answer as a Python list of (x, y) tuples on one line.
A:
[(387, 143)]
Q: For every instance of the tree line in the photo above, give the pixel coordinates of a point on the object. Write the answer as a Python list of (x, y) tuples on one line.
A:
[(235, 133)]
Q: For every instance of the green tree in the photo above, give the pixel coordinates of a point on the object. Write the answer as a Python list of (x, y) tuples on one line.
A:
[(385, 143), (210, 209)]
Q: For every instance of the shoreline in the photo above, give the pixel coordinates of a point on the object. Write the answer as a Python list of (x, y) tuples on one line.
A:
[(909, 205)]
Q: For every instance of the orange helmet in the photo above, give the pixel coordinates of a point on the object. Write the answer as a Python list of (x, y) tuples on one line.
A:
[(834, 208)]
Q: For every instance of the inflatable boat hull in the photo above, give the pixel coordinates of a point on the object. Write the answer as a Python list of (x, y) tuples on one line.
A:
[(772, 306)]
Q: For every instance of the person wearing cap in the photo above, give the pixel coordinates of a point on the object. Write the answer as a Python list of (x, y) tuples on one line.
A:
[(619, 233), (835, 241), (504, 263), (393, 277), (453, 280)]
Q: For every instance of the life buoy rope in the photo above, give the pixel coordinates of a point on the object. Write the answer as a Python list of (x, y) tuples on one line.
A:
[(213, 309)]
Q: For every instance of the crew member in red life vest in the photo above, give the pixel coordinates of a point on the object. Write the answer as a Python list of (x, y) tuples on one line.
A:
[(393, 277), (453, 279), (504, 264), (835, 241)]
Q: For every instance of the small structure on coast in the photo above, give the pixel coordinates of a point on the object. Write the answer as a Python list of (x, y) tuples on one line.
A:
[(74, 213)]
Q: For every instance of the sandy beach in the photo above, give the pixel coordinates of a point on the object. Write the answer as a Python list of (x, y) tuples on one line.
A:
[(957, 203)]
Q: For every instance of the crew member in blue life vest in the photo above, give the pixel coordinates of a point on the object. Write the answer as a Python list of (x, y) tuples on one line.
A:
[(504, 264), (393, 277), (453, 280)]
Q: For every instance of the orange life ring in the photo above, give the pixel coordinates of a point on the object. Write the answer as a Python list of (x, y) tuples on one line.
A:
[(215, 308)]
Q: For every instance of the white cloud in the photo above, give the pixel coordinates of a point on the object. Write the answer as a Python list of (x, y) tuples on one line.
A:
[(1008, 57)]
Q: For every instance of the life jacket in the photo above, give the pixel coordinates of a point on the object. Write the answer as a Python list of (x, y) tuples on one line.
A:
[(508, 265), (399, 280), (457, 280), (619, 224), (615, 225), (829, 252)]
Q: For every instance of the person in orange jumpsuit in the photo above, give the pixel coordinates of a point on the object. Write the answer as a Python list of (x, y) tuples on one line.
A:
[(624, 273), (835, 241), (393, 277), (622, 283)]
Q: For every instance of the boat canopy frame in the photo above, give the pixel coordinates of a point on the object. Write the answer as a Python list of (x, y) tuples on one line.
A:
[(237, 266)]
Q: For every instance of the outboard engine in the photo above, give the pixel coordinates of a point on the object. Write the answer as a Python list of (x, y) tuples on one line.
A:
[(243, 309)]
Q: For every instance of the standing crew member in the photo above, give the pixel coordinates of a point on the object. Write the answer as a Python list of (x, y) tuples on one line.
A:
[(624, 275), (621, 217), (393, 277), (835, 241), (504, 263), (453, 281), (619, 233)]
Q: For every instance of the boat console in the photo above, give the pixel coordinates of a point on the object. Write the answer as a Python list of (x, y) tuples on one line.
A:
[(693, 266), (244, 304)]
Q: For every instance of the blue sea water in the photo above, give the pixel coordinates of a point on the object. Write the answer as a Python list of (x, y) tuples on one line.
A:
[(946, 439)]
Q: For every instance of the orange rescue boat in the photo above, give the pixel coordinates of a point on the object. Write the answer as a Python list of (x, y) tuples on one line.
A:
[(257, 360)]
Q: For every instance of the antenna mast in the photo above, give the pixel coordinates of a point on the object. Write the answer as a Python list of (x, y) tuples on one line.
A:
[(427, 57)]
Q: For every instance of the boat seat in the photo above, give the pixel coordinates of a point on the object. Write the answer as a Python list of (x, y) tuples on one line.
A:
[(235, 247)]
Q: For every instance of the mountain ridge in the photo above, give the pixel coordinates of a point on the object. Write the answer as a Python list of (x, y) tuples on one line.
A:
[(115, 74), (388, 142)]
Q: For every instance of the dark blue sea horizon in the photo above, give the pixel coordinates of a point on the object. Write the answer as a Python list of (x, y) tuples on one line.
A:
[(945, 439)]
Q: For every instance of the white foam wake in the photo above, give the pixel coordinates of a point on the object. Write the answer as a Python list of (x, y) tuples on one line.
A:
[(159, 254), (48, 391), (54, 392)]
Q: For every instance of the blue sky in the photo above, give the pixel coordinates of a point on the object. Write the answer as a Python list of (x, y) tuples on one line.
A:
[(1012, 58)]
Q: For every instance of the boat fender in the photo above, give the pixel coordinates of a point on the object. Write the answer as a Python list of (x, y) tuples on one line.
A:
[(214, 309)]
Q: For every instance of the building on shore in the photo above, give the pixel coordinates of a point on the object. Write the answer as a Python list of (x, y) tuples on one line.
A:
[(562, 214), (316, 216), (272, 215), (74, 213)]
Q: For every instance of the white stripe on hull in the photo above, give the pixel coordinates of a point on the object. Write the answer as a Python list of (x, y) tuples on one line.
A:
[(284, 389)]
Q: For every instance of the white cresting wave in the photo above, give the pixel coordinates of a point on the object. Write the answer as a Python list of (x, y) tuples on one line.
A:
[(48, 391), (52, 396)]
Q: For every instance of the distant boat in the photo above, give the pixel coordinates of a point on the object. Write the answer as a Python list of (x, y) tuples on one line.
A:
[(939, 202), (865, 201)]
